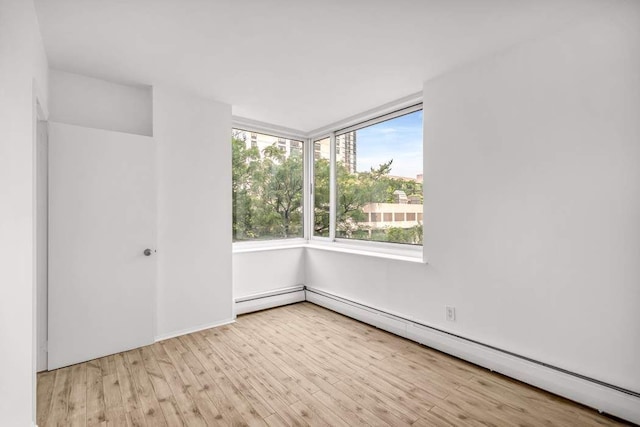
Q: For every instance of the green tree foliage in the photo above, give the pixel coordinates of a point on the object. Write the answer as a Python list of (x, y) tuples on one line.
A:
[(321, 198), (404, 235), (268, 197), (267, 192), (245, 163)]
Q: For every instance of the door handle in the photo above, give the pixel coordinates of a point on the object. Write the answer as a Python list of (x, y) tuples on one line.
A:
[(147, 252)]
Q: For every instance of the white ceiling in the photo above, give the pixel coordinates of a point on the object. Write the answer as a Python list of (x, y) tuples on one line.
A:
[(295, 63)]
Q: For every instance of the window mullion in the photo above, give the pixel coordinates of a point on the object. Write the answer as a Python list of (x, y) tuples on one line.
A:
[(307, 193), (332, 187)]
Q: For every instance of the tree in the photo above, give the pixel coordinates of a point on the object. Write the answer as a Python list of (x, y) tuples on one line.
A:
[(411, 235), (321, 198), (267, 192), (280, 184), (245, 162)]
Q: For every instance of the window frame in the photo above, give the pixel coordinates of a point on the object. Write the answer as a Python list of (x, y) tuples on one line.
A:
[(311, 188), (251, 126)]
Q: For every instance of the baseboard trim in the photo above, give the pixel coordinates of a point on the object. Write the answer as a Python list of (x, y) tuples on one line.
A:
[(603, 397), (271, 299), (192, 330)]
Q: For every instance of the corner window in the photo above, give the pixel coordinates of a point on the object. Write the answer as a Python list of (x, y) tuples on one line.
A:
[(359, 183), (268, 181)]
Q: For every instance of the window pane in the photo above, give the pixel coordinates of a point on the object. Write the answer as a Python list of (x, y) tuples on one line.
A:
[(267, 186), (380, 185), (321, 154)]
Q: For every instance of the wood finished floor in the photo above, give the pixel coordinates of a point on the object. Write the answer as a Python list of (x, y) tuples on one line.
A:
[(294, 366)]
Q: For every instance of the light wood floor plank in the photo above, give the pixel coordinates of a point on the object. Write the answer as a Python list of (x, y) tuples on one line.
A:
[(127, 385), (60, 398), (189, 411), (278, 358), (95, 394), (275, 420), (46, 381), (309, 417), (112, 395), (203, 404), (368, 398), (144, 389), (135, 418), (78, 396), (299, 365), (275, 400), (438, 416), (229, 415), (116, 416), (221, 390), (168, 405)]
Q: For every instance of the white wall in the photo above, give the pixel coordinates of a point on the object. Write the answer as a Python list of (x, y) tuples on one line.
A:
[(94, 103), (194, 212), (532, 196), (23, 71), (42, 242), (257, 272)]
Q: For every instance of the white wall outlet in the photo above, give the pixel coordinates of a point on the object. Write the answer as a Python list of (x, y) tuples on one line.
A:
[(451, 313)]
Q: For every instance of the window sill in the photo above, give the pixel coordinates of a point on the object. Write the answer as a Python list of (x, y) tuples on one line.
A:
[(267, 245), (412, 254), (396, 254)]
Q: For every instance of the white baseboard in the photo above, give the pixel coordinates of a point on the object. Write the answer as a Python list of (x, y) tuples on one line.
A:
[(591, 393), (264, 300), (194, 329)]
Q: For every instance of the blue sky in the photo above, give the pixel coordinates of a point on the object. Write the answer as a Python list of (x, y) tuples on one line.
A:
[(399, 139)]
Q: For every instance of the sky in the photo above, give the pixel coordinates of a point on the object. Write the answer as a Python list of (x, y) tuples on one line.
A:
[(399, 139)]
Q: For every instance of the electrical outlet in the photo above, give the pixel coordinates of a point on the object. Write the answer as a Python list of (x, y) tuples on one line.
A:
[(451, 314)]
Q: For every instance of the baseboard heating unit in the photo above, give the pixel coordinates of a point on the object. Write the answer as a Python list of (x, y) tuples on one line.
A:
[(264, 300)]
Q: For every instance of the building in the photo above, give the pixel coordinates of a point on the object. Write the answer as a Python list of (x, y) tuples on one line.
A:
[(262, 141), (384, 215), (345, 150)]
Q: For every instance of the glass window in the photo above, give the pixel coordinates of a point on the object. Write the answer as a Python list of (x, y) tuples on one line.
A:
[(321, 173), (267, 187), (381, 180)]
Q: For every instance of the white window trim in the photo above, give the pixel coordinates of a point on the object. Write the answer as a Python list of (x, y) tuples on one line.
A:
[(385, 250), (307, 195), (381, 118), (311, 187), (256, 126), (372, 249), (268, 245), (397, 251), (368, 115), (333, 191)]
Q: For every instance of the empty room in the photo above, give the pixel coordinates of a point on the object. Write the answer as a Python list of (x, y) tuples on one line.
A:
[(319, 213)]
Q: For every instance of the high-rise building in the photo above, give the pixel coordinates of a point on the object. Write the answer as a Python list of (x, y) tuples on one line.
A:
[(262, 141), (345, 150), (345, 146)]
